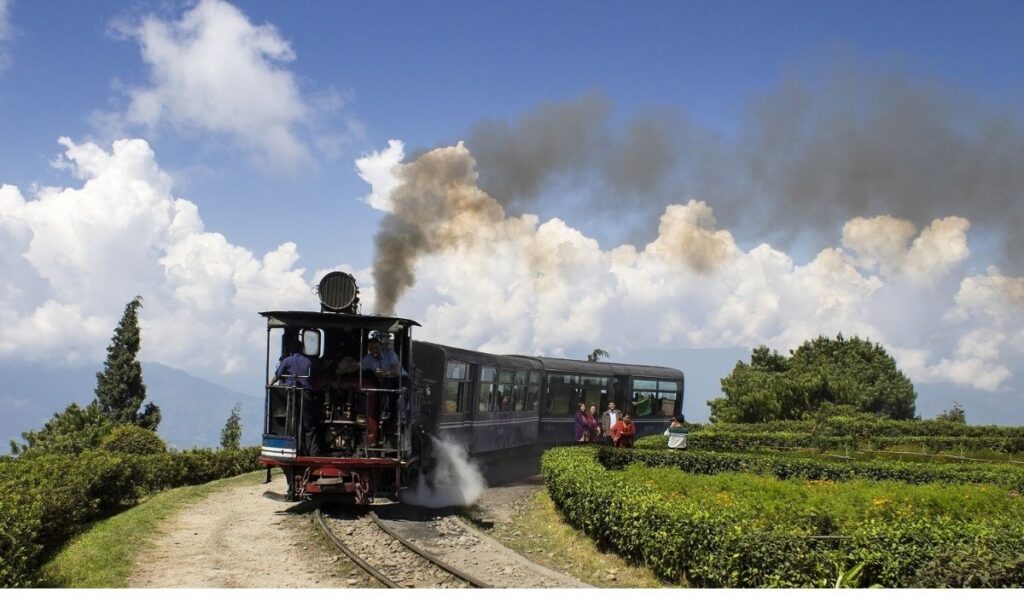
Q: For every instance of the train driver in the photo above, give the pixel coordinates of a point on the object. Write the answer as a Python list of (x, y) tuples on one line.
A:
[(384, 362), (295, 369)]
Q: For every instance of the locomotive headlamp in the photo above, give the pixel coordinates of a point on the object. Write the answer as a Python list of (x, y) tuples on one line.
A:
[(338, 292)]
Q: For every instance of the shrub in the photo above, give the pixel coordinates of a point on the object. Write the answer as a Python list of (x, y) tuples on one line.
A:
[(739, 530), (132, 439), (46, 499), (729, 438), (786, 466)]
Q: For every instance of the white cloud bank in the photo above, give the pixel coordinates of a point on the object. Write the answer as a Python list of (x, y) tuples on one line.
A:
[(515, 284), (73, 257), (214, 71)]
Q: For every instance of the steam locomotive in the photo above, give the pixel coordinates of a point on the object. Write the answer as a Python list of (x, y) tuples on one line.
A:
[(344, 430)]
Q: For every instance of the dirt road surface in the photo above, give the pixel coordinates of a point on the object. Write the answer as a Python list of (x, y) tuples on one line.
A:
[(238, 539)]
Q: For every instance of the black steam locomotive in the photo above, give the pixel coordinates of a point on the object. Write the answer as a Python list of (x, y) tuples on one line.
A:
[(343, 428)]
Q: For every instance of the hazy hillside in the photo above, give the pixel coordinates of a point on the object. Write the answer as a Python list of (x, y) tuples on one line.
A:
[(194, 410)]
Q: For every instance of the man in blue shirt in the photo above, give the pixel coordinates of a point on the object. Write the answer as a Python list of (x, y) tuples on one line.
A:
[(384, 362), (295, 369)]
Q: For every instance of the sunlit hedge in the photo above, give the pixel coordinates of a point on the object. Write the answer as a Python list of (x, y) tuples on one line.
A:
[(786, 466), (737, 530), (46, 499), (717, 437), (867, 427)]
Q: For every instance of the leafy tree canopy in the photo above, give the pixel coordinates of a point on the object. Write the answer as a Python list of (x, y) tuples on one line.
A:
[(824, 371), (69, 432), (956, 414)]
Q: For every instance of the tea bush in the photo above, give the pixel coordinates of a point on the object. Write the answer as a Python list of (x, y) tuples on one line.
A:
[(785, 466), (132, 439), (46, 499), (713, 438), (736, 530)]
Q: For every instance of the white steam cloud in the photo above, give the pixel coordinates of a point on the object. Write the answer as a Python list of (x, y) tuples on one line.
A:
[(454, 480), (481, 279)]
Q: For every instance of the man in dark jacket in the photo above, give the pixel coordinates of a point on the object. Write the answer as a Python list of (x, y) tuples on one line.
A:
[(609, 418)]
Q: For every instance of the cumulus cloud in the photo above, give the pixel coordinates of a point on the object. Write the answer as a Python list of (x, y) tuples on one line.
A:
[(480, 278), (215, 71), (889, 245), (74, 256)]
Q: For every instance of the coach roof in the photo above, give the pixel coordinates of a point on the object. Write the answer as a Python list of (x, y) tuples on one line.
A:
[(314, 319)]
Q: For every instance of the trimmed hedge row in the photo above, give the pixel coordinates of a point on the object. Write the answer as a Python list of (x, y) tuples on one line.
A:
[(876, 427), (729, 545), (47, 499), (711, 438), (786, 466)]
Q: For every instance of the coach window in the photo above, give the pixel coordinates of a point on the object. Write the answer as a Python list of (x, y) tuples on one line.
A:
[(654, 398), (594, 391), (519, 393), (456, 388), (562, 393), (504, 396), (533, 394), (487, 378)]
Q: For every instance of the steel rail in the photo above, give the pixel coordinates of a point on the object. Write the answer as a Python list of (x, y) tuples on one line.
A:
[(377, 574), (429, 556)]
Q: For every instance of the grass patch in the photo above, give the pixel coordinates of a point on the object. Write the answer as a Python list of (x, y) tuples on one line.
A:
[(104, 554), (539, 533)]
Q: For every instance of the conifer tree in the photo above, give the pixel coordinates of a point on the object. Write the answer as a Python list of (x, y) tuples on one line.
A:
[(120, 390), (231, 435)]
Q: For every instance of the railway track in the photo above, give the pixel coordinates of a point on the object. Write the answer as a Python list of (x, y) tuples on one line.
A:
[(391, 559)]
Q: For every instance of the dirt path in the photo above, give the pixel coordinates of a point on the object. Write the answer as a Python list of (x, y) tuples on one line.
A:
[(236, 538)]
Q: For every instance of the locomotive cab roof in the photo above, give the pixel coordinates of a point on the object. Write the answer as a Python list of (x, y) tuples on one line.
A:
[(314, 319)]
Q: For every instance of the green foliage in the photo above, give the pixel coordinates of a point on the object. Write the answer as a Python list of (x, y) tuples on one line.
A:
[(867, 426), (785, 466), (46, 499), (956, 414), (120, 390), (738, 530), (597, 354), (851, 372), (69, 432), (231, 435), (711, 439), (132, 439)]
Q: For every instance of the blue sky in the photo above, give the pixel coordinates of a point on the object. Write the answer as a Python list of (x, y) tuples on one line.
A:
[(427, 73)]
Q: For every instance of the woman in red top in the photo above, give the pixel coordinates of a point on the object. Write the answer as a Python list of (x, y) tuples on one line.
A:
[(623, 432), (594, 424)]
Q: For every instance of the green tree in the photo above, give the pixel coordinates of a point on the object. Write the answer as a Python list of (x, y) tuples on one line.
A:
[(120, 390), (69, 432), (823, 371), (231, 435), (596, 355), (956, 414)]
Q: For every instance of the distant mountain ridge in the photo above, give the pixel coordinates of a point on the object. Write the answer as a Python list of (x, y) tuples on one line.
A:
[(194, 410)]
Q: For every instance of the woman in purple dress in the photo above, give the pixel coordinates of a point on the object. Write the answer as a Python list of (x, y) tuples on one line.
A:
[(582, 429)]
